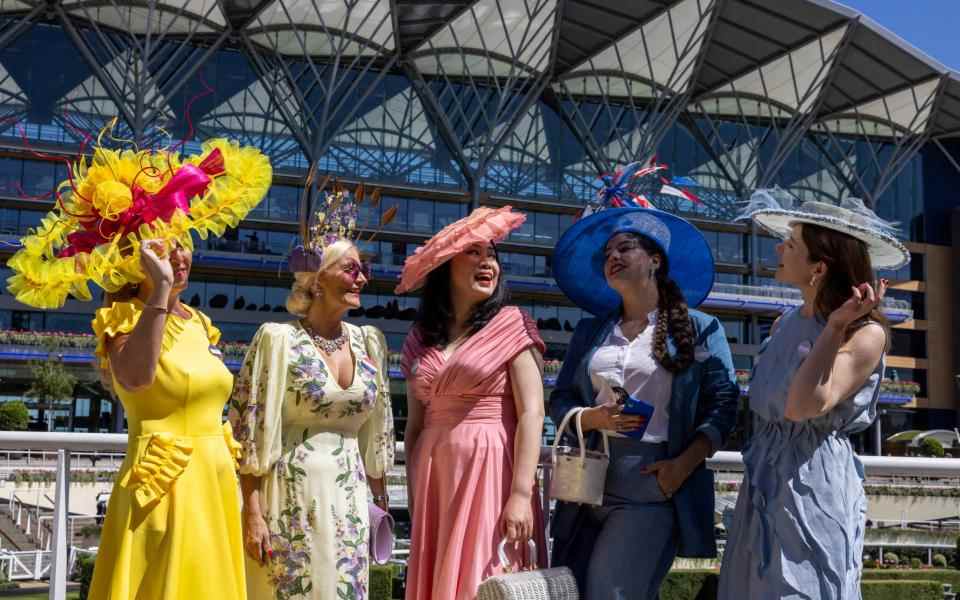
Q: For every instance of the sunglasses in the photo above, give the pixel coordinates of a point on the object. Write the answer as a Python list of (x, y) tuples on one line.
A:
[(354, 269)]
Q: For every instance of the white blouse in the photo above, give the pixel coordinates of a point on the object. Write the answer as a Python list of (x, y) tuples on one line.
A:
[(630, 365)]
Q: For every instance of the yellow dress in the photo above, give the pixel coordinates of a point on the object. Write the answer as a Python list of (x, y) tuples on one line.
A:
[(172, 530)]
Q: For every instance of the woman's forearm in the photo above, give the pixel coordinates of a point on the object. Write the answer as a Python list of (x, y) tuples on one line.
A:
[(810, 391), (134, 362), (250, 490), (526, 453)]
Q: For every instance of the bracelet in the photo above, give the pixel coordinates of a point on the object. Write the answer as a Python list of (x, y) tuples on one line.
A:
[(380, 498), (162, 309)]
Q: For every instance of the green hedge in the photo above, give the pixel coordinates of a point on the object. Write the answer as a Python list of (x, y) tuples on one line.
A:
[(85, 573), (690, 585), (381, 582), (897, 590), (941, 575), (879, 584)]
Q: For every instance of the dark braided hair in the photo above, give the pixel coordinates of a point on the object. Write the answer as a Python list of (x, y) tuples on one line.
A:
[(673, 317)]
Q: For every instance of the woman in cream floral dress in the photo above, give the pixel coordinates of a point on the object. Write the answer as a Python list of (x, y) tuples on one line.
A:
[(311, 408)]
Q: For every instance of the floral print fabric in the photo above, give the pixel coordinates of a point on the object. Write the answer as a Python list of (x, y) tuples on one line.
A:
[(313, 443)]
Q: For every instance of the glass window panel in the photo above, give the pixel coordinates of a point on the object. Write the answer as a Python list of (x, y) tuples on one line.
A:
[(195, 294), (252, 241), (221, 295), (521, 264), (421, 216), (284, 202), (29, 219), (563, 223), (237, 332), (399, 222), (735, 330), (524, 233), (448, 212), (541, 266), (729, 247), (8, 221), (279, 242), (276, 296), (369, 251), (728, 278), (544, 311), (73, 323), (25, 320), (569, 317), (767, 249), (247, 296), (38, 177), (11, 173), (546, 227), (385, 256)]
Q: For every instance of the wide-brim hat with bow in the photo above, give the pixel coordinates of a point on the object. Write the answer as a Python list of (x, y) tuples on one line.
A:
[(121, 197)]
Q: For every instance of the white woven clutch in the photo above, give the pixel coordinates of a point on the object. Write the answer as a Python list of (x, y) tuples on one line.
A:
[(540, 584)]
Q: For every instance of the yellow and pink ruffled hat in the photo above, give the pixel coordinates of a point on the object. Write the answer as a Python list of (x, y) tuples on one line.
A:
[(483, 225)]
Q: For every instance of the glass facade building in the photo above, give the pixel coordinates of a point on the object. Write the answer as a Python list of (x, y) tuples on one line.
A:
[(450, 105)]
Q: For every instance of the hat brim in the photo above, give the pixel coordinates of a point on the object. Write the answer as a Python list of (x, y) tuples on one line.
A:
[(886, 251), (579, 256)]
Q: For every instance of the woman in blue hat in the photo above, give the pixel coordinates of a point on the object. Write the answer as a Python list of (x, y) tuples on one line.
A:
[(645, 353)]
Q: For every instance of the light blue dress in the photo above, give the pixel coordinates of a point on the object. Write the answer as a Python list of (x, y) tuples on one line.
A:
[(798, 526)]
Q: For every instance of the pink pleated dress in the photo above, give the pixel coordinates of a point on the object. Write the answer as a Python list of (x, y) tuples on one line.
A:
[(462, 466)]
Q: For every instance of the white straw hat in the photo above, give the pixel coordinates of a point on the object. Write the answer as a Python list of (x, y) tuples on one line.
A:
[(776, 211)]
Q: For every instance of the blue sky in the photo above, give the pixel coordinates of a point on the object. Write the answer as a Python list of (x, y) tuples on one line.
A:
[(930, 25)]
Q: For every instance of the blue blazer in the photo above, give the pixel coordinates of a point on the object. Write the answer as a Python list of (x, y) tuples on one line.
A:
[(704, 399)]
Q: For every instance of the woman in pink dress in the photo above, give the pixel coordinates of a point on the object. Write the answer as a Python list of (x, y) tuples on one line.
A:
[(475, 412)]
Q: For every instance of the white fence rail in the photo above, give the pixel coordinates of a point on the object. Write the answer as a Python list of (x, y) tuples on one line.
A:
[(56, 563)]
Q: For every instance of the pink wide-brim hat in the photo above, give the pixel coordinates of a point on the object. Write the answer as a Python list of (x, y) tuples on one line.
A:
[(482, 226)]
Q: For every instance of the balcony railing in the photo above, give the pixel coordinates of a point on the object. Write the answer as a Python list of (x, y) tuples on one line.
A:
[(65, 444)]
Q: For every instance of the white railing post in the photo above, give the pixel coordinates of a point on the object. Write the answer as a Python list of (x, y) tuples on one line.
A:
[(61, 508)]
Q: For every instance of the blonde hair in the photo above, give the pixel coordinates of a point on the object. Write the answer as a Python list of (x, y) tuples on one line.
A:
[(301, 292)]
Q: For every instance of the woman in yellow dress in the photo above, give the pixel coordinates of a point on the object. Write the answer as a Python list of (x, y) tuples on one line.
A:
[(172, 530), (173, 523)]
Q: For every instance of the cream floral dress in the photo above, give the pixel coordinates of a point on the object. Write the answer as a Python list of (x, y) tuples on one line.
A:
[(313, 443)]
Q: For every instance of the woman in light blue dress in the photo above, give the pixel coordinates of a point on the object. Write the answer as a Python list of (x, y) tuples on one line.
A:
[(798, 526)]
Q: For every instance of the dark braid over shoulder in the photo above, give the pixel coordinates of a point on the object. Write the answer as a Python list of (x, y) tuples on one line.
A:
[(673, 318)]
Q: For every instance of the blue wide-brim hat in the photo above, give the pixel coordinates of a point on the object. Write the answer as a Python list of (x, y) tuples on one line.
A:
[(578, 257)]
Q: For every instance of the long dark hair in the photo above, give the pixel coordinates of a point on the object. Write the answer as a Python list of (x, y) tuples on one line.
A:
[(436, 307), (673, 316), (848, 265)]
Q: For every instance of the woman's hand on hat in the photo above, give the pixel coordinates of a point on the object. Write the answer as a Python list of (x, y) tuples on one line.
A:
[(155, 261), (864, 298), (610, 418)]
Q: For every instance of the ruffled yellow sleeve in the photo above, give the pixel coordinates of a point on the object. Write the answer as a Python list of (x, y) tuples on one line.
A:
[(117, 319), (376, 436), (213, 334)]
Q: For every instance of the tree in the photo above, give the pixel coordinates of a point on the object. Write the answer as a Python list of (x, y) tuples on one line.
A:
[(52, 384), (14, 416)]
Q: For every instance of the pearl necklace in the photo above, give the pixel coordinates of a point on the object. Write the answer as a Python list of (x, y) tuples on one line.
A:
[(326, 345)]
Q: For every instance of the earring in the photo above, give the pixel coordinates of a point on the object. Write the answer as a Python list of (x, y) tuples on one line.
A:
[(651, 273), (813, 281)]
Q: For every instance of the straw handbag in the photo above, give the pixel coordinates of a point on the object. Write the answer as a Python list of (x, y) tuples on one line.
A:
[(579, 474), (539, 584)]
